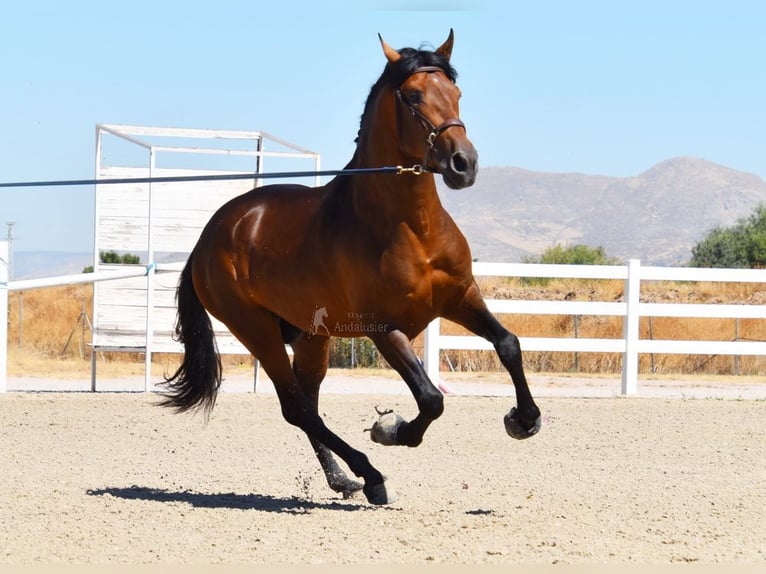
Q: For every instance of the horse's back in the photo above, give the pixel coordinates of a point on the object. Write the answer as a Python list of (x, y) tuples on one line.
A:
[(251, 242), (264, 215)]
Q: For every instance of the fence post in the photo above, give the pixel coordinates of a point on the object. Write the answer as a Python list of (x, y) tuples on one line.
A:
[(3, 316), (150, 278), (630, 328), (431, 350)]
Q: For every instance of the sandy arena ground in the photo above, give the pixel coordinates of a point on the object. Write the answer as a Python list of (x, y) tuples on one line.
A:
[(112, 478)]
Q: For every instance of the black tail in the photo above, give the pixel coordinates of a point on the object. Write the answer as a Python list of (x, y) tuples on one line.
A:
[(196, 382)]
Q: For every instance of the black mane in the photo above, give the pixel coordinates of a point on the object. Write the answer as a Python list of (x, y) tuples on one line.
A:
[(396, 73)]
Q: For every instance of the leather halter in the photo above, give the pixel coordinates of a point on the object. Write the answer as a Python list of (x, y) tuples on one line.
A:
[(433, 131)]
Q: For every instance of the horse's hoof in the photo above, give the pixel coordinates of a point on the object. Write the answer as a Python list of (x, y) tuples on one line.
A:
[(380, 494), (385, 429), (346, 487), (514, 428), (351, 489)]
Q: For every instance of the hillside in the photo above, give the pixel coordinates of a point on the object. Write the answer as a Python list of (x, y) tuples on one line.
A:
[(656, 216), (34, 264)]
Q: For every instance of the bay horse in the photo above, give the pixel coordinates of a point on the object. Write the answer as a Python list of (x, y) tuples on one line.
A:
[(375, 254)]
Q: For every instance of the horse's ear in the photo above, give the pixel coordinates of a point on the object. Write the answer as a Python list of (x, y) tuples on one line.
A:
[(446, 48), (391, 54)]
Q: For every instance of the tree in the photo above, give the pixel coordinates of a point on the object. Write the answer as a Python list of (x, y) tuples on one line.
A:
[(115, 258), (757, 248), (741, 245), (722, 247), (578, 254), (112, 257)]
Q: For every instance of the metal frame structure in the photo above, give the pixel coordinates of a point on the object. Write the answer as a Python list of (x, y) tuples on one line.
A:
[(163, 219)]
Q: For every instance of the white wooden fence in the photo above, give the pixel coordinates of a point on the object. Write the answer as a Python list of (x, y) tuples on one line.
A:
[(631, 309)]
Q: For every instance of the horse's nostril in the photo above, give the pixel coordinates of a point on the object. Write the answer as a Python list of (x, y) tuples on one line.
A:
[(459, 162)]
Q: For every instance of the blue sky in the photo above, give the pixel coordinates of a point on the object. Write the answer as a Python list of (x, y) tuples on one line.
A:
[(595, 86)]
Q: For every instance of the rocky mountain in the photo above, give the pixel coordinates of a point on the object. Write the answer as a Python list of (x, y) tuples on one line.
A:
[(656, 216)]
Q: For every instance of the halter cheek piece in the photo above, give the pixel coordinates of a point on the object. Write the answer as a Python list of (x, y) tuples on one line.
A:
[(433, 131)]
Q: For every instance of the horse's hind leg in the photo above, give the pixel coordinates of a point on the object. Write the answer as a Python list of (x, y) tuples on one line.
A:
[(310, 360), (259, 330), (472, 313), (391, 429)]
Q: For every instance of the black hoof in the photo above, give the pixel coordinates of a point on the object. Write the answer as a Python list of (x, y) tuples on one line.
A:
[(348, 488), (380, 494), (515, 429), (385, 429)]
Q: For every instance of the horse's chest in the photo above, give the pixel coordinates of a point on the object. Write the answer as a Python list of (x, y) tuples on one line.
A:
[(406, 265)]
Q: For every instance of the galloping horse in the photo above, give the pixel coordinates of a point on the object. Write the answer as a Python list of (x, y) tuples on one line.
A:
[(376, 253)]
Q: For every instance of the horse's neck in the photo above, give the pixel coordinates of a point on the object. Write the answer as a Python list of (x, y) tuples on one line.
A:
[(383, 203), (388, 200)]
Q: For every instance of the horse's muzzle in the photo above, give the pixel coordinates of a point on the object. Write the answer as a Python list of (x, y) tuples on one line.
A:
[(461, 169)]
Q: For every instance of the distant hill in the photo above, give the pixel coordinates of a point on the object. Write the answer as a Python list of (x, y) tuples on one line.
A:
[(34, 264), (656, 216)]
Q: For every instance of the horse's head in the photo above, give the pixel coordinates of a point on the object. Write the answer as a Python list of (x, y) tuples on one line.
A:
[(424, 95)]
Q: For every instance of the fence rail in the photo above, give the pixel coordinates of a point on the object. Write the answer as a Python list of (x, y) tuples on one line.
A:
[(631, 310)]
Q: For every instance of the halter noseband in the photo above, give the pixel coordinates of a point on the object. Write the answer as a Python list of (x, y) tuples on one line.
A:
[(433, 131)]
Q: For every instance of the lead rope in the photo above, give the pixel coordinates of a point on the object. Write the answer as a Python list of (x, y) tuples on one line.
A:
[(397, 170)]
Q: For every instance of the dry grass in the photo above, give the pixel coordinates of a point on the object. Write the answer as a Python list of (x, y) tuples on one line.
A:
[(49, 331)]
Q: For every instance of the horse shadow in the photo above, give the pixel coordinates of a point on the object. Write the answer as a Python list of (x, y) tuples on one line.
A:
[(259, 502)]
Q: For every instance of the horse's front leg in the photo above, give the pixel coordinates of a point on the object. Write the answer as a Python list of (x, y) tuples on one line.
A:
[(523, 421), (391, 429)]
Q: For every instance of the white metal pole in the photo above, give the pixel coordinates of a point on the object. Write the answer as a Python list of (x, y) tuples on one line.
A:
[(258, 183), (149, 282), (3, 316), (258, 161), (96, 254), (431, 350), (96, 262), (630, 328)]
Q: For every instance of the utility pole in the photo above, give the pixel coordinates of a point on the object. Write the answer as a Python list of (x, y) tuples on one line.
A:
[(10, 225)]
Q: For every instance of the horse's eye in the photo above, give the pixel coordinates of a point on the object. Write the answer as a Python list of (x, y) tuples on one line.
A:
[(414, 98)]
